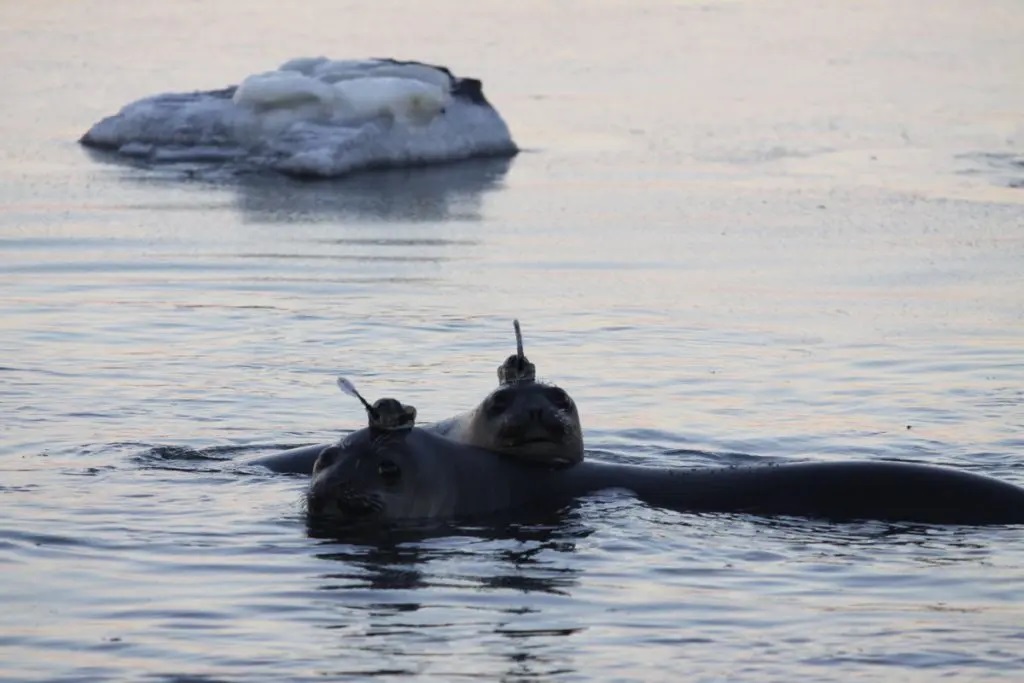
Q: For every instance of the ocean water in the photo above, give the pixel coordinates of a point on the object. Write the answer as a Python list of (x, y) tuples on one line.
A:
[(739, 231)]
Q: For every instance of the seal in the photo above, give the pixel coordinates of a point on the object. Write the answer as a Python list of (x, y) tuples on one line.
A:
[(418, 475), (525, 419), (522, 418), (391, 470), (534, 422)]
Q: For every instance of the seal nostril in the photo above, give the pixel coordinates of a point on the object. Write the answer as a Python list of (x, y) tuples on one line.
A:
[(389, 471)]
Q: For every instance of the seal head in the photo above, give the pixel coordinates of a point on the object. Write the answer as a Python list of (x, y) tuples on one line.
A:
[(362, 477), (528, 420), (531, 421), (372, 475)]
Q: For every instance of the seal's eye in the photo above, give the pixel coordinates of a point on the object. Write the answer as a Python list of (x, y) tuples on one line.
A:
[(389, 471), (498, 403), (560, 399)]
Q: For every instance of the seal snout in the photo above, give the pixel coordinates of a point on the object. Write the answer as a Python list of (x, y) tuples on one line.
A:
[(327, 497), (535, 414), (536, 425)]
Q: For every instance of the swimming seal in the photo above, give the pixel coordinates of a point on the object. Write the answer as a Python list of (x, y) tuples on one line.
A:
[(523, 418), (417, 474)]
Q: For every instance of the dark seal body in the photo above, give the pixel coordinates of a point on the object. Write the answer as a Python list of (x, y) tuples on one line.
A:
[(431, 477), (292, 461)]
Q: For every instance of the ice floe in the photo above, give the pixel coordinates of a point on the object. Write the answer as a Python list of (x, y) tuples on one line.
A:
[(314, 117)]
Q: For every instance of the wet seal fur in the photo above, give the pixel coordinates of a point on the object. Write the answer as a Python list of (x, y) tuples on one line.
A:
[(416, 474)]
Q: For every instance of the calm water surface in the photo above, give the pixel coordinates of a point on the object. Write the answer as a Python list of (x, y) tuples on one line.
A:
[(740, 231)]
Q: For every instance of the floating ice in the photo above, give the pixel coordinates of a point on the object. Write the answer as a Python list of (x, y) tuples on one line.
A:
[(315, 117)]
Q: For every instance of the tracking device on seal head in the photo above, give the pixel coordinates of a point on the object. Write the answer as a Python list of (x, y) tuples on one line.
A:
[(386, 414), (517, 368)]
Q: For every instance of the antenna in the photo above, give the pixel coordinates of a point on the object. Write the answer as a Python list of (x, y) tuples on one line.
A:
[(386, 414), (517, 368), (348, 388)]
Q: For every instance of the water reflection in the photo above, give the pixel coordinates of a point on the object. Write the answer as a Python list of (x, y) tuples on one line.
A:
[(452, 192), (447, 192), (388, 566), (394, 557), (816, 540), (519, 563)]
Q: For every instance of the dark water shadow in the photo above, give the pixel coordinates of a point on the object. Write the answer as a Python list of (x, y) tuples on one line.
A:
[(376, 550), (508, 554), (855, 541), (448, 192), (1000, 168), (451, 191), (227, 458)]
